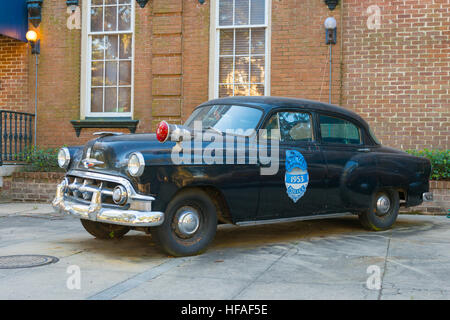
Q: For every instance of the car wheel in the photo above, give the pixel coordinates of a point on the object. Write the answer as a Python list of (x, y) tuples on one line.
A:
[(189, 226), (382, 212), (104, 230)]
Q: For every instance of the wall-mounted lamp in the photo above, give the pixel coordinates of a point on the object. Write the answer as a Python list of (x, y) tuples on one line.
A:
[(34, 11), (35, 43), (142, 3), (32, 37), (72, 4), (330, 38), (330, 30), (331, 4), (201, 1)]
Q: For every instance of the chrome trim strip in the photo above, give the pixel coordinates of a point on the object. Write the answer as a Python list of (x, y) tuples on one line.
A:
[(282, 220)]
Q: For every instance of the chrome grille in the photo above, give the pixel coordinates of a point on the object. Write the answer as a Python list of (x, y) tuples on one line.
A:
[(82, 189)]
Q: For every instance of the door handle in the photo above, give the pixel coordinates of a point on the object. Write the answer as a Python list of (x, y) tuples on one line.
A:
[(364, 150)]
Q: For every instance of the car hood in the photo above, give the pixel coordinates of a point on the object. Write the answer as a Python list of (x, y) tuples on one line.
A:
[(114, 151)]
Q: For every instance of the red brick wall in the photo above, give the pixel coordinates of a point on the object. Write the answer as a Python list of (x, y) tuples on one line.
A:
[(13, 75), (300, 57), (397, 77)]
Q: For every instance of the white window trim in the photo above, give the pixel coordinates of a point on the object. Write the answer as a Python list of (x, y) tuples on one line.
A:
[(214, 43), (86, 53)]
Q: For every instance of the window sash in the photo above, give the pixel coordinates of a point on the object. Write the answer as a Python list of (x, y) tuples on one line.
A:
[(266, 54), (89, 61)]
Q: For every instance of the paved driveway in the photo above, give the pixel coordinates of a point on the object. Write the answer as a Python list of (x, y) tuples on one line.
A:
[(328, 259)]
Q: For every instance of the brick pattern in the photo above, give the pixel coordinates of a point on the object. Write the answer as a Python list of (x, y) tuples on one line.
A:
[(14, 75), (31, 186), (167, 69), (397, 77), (300, 57), (441, 200)]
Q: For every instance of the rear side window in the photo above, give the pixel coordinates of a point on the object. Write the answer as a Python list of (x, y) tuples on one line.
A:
[(336, 130)]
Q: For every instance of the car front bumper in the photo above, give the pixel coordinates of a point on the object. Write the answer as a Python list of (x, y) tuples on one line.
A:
[(139, 213)]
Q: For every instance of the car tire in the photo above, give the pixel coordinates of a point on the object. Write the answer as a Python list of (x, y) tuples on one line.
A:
[(383, 210), (102, 230), (189, 226)]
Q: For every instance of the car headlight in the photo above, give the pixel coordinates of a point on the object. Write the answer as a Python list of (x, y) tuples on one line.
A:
[(63, 158), (136, 164)]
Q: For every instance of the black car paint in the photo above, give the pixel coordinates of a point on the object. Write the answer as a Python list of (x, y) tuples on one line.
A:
[(342, 177)]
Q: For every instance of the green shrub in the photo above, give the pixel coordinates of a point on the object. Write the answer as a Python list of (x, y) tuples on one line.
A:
[(440, 162), (44, 160)]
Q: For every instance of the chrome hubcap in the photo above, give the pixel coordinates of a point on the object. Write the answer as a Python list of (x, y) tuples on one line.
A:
[(383, 204), (188, 221)]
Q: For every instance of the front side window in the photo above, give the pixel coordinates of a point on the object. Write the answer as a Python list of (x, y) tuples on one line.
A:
[(241, 49), (336, 130), (110, 57), (293, 127)]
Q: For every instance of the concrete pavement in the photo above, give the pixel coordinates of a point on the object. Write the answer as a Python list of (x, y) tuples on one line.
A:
[(321, 259)]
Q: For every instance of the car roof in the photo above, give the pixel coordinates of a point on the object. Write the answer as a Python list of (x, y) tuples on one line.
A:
[(270, 102)]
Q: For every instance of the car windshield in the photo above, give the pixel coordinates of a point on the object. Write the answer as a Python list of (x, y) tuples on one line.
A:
[(225, 117)]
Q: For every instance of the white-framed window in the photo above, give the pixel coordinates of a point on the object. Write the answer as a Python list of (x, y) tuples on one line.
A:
[(240, 57), (108, 60)]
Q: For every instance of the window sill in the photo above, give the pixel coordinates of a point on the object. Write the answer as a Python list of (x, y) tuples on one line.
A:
[(126, 123)]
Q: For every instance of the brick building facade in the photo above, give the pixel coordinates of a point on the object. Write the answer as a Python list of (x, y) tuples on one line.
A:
[(391, 63)]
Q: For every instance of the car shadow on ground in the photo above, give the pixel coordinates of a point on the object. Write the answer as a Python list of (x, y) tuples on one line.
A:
[(139, 247)]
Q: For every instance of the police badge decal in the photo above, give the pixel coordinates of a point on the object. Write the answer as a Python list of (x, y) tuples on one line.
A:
[(296, 177)]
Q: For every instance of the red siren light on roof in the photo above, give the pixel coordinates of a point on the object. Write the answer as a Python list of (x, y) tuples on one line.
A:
[(162, 131)]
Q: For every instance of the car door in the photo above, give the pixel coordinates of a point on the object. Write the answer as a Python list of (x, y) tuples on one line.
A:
[(298, 187), (342, 145)]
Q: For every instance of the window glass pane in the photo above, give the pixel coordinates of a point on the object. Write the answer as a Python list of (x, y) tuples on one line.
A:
[(111, 47), (226, 42), (240, 12), (110, 18), (226, 70), (97, 2), (271, 125), (241, 90), (241, 70), (335, 130), (124, 17), (110, 1), (295, 126), (225, 90), (258, 41), (257, 90), (111, 73), (124, 73), (110, 99), (124, 100), (124, 1), (257, 70), (97, 73), (223, 117), (97, 99), (125, 46), (225, 12), (97, 47), (257, 14), (242, 39), (96, 19)]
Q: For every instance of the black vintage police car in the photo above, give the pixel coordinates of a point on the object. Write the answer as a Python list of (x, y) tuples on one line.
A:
[(239, 160)]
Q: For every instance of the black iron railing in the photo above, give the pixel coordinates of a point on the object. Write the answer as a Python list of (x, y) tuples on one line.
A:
[(16, 137)]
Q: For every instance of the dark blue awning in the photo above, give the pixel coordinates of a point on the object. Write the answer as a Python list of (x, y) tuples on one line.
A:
[(13, 19)]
